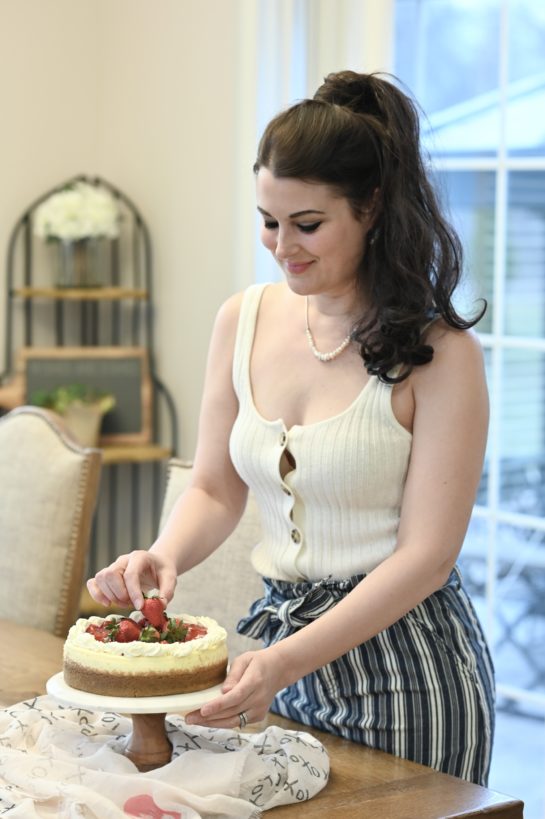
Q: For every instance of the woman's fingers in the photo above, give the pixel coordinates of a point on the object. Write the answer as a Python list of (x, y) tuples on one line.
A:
[(107, 586), (230, 719), (246, 690), (96, 592), (167, 577), (124, 581), (139, 575), (146, 571), (236, 671)]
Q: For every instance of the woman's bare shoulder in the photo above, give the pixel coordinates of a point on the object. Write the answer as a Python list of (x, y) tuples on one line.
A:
[(229, 311), (457, 357), (449, 342), (274, 296), (226, 322)]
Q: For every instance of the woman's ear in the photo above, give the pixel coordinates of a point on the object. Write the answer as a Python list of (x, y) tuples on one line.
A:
[(375, 203), (371, 211)]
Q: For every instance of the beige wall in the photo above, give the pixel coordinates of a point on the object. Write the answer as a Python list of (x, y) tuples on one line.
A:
[(144, 94), (159, 97)]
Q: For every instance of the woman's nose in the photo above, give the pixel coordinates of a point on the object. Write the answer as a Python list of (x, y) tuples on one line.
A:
[(286, 244)]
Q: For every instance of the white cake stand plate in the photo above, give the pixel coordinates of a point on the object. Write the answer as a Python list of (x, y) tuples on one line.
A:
[(148, 745), (173, 703)]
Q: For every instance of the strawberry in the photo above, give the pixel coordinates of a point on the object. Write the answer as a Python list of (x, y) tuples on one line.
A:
[(127, 631), (154, 612), (121, 630), (194, 630), (150, 635), (99, 632), (175, 631)]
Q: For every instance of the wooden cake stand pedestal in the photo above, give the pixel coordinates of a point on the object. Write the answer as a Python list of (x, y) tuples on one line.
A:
[(148, 745)]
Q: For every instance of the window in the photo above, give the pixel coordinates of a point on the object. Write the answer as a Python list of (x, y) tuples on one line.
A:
[(478, 71), (282, 78)]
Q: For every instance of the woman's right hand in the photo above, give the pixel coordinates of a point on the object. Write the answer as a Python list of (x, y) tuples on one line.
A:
[(123, 582)]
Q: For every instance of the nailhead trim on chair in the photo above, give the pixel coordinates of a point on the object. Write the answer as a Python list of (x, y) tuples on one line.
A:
[(75, 535), (79, 520)]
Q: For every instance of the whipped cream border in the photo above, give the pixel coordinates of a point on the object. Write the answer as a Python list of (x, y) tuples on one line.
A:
[(215, 636)]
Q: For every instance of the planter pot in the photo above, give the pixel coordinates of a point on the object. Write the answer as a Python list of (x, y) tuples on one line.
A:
[(84, 421), (83, 262)]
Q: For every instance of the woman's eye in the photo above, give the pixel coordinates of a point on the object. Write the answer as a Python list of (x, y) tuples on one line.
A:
[(272, 225)]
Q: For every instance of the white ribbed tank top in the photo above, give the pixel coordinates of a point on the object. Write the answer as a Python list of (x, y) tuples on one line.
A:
[(337, 513)]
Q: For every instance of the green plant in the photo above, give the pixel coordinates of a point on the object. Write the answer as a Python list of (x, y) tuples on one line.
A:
[(61, 398)]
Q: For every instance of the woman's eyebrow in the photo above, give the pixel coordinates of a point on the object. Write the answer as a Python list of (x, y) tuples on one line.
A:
[(295, 215)]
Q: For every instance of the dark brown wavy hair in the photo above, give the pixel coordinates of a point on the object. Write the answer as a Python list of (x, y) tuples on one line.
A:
[(360, 135)]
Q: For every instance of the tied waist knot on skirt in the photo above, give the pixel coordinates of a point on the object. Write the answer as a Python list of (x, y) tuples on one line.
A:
[(422, 689)]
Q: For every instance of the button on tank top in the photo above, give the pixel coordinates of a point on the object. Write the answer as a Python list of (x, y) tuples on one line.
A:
[(336, 513)]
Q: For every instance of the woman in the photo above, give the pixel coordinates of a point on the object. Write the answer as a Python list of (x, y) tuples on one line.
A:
[(351, 398)]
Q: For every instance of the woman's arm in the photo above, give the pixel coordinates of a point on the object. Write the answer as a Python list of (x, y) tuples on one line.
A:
[(210, 508), (449, 438)]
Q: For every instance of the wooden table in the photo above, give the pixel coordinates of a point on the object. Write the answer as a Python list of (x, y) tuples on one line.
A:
[(364, 784), (28, 658)]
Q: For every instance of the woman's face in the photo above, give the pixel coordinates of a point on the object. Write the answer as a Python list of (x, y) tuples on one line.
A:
[(313, 234)]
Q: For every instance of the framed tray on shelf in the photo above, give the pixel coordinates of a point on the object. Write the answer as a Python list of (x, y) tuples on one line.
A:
[(122, 371)]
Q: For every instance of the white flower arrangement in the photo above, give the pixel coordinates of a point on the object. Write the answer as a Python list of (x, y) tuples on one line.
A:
[(80, 211)]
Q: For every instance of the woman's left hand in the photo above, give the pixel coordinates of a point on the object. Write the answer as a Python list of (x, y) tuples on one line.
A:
[(250, 687)]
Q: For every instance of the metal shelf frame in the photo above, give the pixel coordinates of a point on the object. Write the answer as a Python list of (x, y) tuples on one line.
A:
[(117, 314)]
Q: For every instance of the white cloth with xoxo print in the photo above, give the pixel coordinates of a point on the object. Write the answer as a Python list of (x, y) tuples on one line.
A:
[(58, 761)]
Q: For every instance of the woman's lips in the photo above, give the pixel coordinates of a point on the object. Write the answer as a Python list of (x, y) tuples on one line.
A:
[(297, 267)]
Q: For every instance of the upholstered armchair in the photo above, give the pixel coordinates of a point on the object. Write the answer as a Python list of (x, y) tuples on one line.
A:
[(225, 584), (48, 491)]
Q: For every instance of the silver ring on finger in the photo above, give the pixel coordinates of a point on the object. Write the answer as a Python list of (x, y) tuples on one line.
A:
[(242, 720)]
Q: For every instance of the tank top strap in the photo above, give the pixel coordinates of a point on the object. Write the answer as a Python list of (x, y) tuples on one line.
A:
[(245, 336)]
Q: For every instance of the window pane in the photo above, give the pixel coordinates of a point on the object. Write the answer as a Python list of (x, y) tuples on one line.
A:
[(470, 198), (482, 498), (522, 424), (472, 563), (525, 280), (517, 648), (478, 71), (525, 130), (519, 612), (517, 759), (456, 86), (519, 644)]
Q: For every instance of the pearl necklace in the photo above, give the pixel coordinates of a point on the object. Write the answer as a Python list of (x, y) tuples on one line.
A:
[(324, 356)]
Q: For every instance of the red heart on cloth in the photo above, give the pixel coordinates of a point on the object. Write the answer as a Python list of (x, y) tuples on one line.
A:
[(143, 807)]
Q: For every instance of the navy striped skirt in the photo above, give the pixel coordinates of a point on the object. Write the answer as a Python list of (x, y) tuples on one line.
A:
[(422, 689)]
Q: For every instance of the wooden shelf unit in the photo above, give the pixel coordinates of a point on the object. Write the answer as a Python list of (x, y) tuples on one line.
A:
[(81, 293), (134, 454), (117, 315)]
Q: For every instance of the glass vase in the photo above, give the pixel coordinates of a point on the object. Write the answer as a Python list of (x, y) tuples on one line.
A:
[(82, 262)]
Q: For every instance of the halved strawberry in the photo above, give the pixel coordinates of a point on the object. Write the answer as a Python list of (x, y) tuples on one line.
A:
[(154, 612), (99, 632), (194, 630)]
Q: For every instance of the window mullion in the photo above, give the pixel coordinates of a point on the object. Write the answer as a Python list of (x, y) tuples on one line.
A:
[(498, 321)]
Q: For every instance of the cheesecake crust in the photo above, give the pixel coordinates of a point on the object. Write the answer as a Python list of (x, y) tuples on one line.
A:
[(148, 684)]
